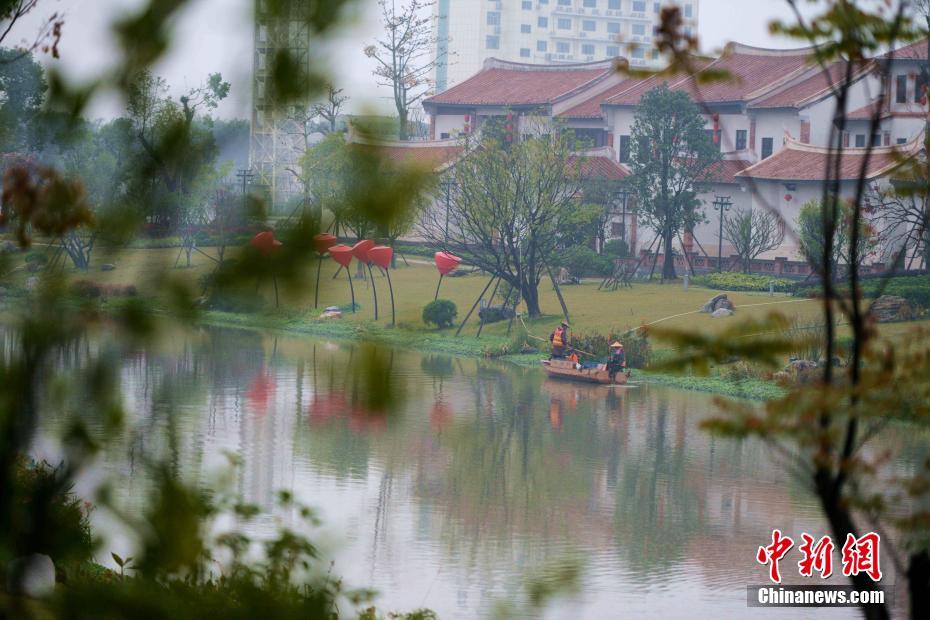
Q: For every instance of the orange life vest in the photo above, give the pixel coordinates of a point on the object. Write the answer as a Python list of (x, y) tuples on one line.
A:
[(558, 337)]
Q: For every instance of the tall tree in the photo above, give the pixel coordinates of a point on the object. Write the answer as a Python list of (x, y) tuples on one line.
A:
[(47, 36), (330, 109), (671, 154), (22, 94), (405, 55), (816, 241), (511, 208), (753, 232)]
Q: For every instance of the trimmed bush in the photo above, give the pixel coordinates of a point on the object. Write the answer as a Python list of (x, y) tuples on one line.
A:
[(915, 289), (616, 248), (731, 281), (440, 313), (581, 261), (635, 345)]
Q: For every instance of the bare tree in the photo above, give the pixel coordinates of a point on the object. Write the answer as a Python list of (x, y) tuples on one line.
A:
[(330, 109), (46, 38), (406, 55), (753, 233), (902, 213)]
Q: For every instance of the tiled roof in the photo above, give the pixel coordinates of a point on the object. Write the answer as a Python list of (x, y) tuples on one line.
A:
[(811, 88), (725, 171), (599, 164), (914, 51), (865, 113), (431, 155), (752, 73), (514, 84), (591, 108), (802, 162)]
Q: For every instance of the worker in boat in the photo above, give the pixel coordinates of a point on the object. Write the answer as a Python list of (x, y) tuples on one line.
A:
[(617, 360), (559, 340), (574, 359)]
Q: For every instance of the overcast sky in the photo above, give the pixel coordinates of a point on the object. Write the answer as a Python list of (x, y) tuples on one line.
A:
[(216, 35)]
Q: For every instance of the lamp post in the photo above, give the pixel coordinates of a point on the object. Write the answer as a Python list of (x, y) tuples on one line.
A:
[(721, 204), (448, 185)]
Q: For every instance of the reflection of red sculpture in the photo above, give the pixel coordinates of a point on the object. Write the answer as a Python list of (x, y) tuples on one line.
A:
[(260, 392), (446, 264), (555, 415), (265, 243), (440, 416), (323, 242), (326, 408)]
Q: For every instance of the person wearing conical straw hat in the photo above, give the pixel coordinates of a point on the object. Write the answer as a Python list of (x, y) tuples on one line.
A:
[(617, 360)]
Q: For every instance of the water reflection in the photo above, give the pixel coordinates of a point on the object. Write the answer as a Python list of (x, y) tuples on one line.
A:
[(446, 481)]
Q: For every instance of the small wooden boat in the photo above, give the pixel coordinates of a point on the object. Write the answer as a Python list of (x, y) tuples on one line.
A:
[(564, 369)]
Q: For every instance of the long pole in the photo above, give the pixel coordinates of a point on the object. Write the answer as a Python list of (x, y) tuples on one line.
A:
[(448, 202), (436, 296), (351, 288), (316, 296), (475, 305), (387, 272), (720, 242), (374, 290)]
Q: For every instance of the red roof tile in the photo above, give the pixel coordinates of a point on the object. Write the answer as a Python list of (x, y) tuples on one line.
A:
[(802, 162), (514, 84), (433, 155), (591, 108), (812, 88), (725, 171), (914, 51), (599, 166)]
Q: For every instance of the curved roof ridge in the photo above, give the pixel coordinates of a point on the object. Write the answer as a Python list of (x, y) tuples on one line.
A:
[(735, 47), (498, 63)]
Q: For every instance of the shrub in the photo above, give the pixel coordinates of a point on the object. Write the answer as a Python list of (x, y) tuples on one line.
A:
[(582, 261), (616, 248), (731, 281), (915, 289), (440, 313)]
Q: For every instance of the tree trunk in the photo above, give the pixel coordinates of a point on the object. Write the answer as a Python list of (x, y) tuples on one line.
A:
[(402, 122), (668, 265), (531, 298)]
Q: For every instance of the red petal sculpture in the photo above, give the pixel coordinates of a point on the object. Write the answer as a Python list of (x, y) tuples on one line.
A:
[(446, 262), (381, 256), (265, 242), (323, 242), (342, 254), (360, 249)]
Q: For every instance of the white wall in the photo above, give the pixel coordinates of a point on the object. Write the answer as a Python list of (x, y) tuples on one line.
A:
[(773, 124)]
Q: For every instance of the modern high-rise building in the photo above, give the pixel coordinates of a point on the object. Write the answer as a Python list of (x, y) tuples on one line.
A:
[(469, 32)]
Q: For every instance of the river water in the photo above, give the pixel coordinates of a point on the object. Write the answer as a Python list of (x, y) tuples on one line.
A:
[(479, 476)]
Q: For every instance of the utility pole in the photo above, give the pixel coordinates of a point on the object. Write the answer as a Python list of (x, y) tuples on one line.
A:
[(448, 184), (721, 204), (246, 177)]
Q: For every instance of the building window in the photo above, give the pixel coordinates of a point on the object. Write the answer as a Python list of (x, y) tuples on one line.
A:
[(876, 139), (639, 6), (587, 49), (494, 18), (616, 230), (860, 141), (657, 8), (900, 89), (527, 5), (741, 135), (613, 27), (902, 140), (920, 88), (524, 52), (589, 25), (613, 5), (444, 136), (492, 42), (613, 51), (563, 48), (639, 53), (542, 46), (590, 4), (688, 10), (565, 2), (624, 149), (526, 28), (543, 22), (768, 145), (565, 24), (638, 29)]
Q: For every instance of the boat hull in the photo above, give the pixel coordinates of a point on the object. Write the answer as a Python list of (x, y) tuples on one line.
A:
[(564, 369)]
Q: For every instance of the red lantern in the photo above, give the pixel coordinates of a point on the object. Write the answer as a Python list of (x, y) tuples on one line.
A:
[(265, 243), (342, 254), (788, 197), (323, 242), (446, 262), (381, 256), (360, 249)]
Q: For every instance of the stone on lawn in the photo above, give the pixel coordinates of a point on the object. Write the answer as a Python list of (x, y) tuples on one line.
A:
[(721, 313), (332, 312), (718, 302), (889, 309), (107, 267)]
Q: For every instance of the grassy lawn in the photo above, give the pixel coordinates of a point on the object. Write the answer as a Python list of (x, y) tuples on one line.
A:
[(592, 311)]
